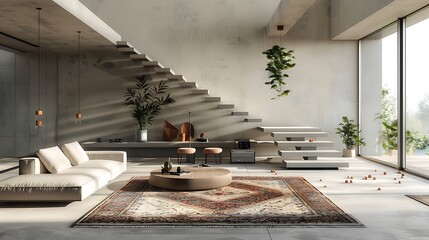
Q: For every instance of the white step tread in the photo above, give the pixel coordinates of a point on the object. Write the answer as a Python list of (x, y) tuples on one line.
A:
[(240, 113), (225, 106), (289, 129), (212, 99), (299, 134), (253, 119), (303, 144), (314, 164), (200, 91), (188, 85), (310, 153), (140, 57)]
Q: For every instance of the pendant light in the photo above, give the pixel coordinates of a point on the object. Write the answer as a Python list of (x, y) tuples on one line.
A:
[(78, 113), (39, 111)]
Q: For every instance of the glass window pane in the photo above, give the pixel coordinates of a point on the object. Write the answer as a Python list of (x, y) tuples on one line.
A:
[(378, 94), (417, 91)]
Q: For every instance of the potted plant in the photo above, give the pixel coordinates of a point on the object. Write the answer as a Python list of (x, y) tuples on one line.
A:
[(280, 60), (349, 132), (146, 101), (389, 138)]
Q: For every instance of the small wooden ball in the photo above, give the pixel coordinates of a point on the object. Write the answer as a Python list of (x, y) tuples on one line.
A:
[(379, 189), (351, 177), (394, 179), (320, 180), (351, 181), (385, 173), (366, 178), (399, 181), (369, 176), (374, 178), (324, 186), (346, 181)]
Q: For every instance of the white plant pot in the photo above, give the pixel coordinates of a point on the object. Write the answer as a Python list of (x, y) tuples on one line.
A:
[(349, 153), (141, 135)]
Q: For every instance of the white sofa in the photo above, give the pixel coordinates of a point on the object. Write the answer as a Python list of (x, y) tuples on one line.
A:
[(51, 178)]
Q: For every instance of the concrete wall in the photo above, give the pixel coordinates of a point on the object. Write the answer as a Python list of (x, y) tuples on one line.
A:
[(347, 13), (19, 101), (219, 45)]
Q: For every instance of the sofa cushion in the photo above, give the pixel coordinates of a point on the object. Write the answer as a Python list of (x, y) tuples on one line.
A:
[(54, 159), (75, 153), (97, 168)]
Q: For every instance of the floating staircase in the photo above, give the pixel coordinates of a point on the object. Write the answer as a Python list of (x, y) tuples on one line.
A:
[(299, 148), (141, 64)]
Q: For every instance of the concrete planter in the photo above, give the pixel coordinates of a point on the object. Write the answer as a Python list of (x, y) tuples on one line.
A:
[(349, 153), (141, 135)]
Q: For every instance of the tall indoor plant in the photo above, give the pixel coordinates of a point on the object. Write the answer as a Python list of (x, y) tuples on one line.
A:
[(349, 132), (280, 60), (146, 101)]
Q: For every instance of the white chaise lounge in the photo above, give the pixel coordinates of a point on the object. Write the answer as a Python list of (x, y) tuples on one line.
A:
[(62, 176)]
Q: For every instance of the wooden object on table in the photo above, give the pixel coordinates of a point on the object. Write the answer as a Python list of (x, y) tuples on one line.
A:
[(169, 132)]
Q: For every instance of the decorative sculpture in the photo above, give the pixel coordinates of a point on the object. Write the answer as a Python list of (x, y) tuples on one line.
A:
[(166, 167), (169, 132)]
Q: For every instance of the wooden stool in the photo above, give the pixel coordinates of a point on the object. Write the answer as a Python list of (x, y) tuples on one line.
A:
[(217, 152), (189, 152)]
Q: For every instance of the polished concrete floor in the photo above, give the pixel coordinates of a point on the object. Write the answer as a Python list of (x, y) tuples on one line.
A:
[(386, 213)]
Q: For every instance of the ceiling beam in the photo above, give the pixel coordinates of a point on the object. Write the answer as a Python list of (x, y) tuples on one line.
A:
[(287, 14)]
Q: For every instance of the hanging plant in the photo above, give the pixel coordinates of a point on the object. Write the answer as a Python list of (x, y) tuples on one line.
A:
[(280, 60)]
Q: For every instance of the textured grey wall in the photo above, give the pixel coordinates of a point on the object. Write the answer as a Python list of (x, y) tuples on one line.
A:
[(19, 101), (219, 45)]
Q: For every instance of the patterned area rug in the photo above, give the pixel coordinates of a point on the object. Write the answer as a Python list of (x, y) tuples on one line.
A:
[(421, 198), (246, 202)]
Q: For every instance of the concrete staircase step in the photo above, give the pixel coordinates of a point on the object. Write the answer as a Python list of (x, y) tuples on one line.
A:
[(283, 144), (164, 70), (253, 119), (225, 106), (119, 63), (188, 85), (240, 113), (140, 57), (128, 50), (152, 64), (315, 164), (299, 134), (309, 153), (123, 44), (289, 129), (139, 70), (212, 99), (179, 78), (200, 92)]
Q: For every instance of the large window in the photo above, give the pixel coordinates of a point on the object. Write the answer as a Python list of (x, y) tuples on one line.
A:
[(378, 91), (417, 90)]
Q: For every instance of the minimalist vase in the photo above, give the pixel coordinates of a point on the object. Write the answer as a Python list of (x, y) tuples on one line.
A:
[(349, 153), (141, 135), (167, 166)]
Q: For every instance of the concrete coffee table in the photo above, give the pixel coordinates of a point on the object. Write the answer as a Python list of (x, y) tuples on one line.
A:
[(199, 178)]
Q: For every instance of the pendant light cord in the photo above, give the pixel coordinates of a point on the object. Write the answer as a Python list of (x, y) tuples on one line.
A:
[(78, 71), (190, 129), (38, 58)]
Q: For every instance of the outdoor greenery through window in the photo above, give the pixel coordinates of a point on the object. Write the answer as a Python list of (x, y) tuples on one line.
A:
[(379, 120)]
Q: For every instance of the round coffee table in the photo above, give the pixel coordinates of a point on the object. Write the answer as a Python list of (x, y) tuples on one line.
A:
[(198, 179)]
